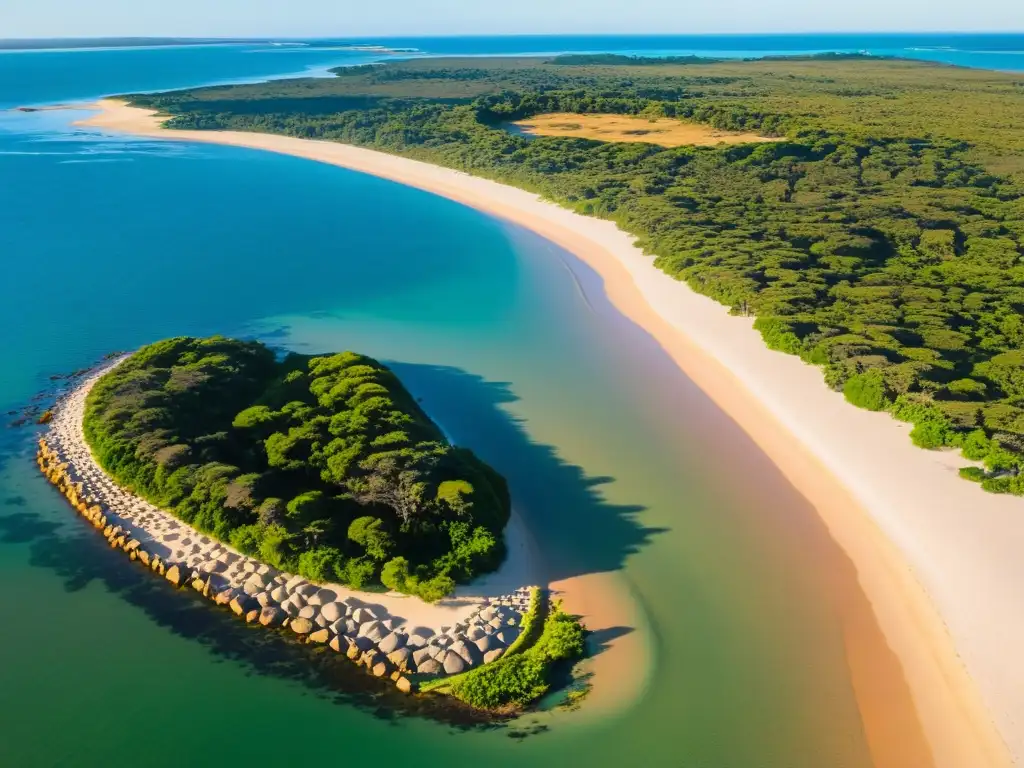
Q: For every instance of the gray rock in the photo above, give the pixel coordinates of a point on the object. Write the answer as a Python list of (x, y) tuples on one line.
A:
[(363, 615), (392, 642), (322, 596), (402, 659), (474, 633), (290, 607), (429, 667), (389, 622), (309, 612), (320, 621), (321, 635), (307, 590), (301, 626), (280, 594), (271, 616), (264, 599), (422, 654), (403, 684), (453, 664), (493, 655), (294, 583), (468, 652), (332, 611), (416, 641), (373, 630), (487, 643)]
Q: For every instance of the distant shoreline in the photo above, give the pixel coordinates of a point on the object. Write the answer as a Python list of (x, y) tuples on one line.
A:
[(900, 513)]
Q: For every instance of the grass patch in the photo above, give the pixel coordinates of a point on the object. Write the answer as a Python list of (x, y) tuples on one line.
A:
[(666, 132)]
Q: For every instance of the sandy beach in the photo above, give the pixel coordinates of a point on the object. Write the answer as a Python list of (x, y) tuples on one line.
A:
[(938, 558)]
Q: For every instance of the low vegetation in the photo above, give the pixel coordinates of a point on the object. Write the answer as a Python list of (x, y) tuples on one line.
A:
[(550, 641), (324, 466), (662, 131), (881, 239)]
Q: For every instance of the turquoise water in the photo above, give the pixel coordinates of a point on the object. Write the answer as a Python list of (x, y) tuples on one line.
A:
[(618, 464)]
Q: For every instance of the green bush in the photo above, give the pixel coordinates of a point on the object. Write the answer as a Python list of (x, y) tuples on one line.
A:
[(867, 390)]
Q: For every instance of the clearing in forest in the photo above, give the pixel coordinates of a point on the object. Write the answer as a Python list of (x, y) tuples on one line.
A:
[(665, 131)]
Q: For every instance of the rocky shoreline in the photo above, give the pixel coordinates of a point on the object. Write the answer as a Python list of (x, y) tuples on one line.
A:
[(350, 623)]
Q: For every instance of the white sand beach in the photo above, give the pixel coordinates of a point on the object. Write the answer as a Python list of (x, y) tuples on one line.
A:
[(939, 559)]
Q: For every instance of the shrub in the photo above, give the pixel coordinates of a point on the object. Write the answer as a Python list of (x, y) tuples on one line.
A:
[(975, 474), (319, 564), (247, 539), (395, 574), (867, 390)]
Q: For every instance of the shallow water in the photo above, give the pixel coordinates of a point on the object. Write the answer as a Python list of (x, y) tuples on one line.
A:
[(616, 461)]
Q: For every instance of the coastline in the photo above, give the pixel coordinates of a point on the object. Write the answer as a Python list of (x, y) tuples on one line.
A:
[(916, 550), (385, 631)]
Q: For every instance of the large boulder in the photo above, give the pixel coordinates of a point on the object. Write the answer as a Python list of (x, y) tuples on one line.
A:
[(403, 684), (374, 630), (381, 668), (340, 643), (353, 652), (474, 633), (177, 575), (272, 616), (429, 667), (301, 626), (279, 593), (252, 617), (363, 615), (392, 642), (493, 655), (264, 599), (322, 596), (332, 611), (402, 659), (487, 643), (242, 604), (307, 590), (309, 612), (320, 636), (453, 663), (225, 597), (468, 652), (420, 655), (290, 607)]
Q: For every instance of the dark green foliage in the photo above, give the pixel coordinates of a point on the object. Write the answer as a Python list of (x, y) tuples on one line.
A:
[(321, 465), (882, 239), (867, 390)]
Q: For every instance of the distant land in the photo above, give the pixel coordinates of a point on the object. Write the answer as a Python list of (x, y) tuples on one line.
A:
[(64, 43)]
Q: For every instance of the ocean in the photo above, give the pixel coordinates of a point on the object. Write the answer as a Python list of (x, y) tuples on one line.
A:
[(617, 462)]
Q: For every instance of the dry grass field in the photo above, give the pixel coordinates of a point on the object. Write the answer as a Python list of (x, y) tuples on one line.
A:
[(663, 131)]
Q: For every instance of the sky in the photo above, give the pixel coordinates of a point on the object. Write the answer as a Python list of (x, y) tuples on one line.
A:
[(351, 18)]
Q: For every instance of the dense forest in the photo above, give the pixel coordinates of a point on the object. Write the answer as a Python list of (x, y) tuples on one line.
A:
[(324, 466), (881, 239)]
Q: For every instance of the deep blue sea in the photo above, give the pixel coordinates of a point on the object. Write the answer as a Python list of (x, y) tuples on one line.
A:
[(621, 467)]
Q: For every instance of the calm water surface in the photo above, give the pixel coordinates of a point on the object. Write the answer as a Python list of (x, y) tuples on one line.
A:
[(616, 461)]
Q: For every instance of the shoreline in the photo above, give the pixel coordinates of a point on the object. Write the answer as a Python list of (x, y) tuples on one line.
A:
[(935, 556), (389, 633)]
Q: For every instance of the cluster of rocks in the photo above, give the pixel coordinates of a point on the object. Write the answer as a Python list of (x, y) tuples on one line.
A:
[(349, 624)]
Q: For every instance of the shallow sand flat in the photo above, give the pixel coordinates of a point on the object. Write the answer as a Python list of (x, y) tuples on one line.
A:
[(938, 558)]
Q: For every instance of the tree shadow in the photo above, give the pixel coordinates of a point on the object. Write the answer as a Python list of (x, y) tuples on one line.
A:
[(577, 531), (81, 558)]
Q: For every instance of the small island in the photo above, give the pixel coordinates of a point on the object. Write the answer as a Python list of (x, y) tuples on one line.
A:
[(309, 493)]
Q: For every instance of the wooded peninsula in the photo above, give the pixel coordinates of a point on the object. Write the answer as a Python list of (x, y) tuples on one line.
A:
[(324, 466), (880, 237)]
